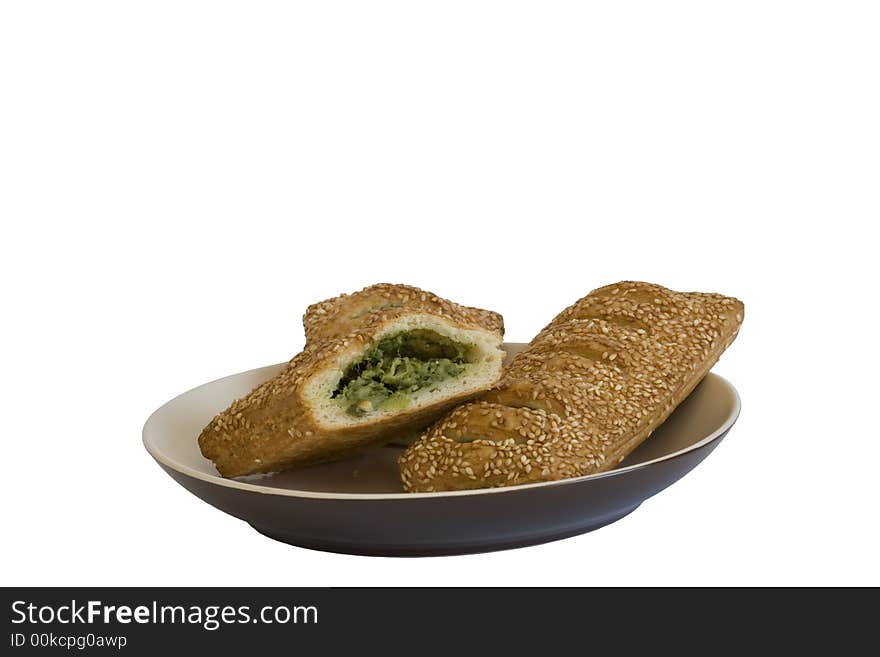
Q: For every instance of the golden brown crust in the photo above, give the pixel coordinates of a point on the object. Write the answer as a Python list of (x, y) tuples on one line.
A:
[(273, 427), (349, 312), (592, 386)]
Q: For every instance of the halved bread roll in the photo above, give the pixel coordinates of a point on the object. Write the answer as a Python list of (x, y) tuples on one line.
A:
[(387, 360)]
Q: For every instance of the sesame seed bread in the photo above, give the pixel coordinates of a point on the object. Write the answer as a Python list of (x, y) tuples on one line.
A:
[(291, 419), (591, 387)]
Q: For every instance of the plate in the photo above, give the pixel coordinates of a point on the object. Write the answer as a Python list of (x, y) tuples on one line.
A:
[(358, 506)]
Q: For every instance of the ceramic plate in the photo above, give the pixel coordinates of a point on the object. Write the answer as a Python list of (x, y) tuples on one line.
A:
[(358, 505)]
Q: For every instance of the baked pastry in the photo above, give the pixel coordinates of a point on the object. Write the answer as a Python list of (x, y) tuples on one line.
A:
[(376, 363), (587, 390)]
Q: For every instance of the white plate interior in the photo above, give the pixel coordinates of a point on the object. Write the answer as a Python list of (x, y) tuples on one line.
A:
[(170, 435)]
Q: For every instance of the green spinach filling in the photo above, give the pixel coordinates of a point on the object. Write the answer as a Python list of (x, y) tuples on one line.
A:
[(398, 366)]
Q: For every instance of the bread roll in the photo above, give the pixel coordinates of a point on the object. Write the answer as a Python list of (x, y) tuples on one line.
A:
[(587, 390), (383, 361)]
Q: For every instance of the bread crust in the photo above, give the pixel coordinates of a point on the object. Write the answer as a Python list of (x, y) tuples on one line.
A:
[(591, 387), (274, 426), (349, 313)]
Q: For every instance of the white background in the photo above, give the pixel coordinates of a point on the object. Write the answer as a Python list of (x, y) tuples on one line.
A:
[(178, 180)]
